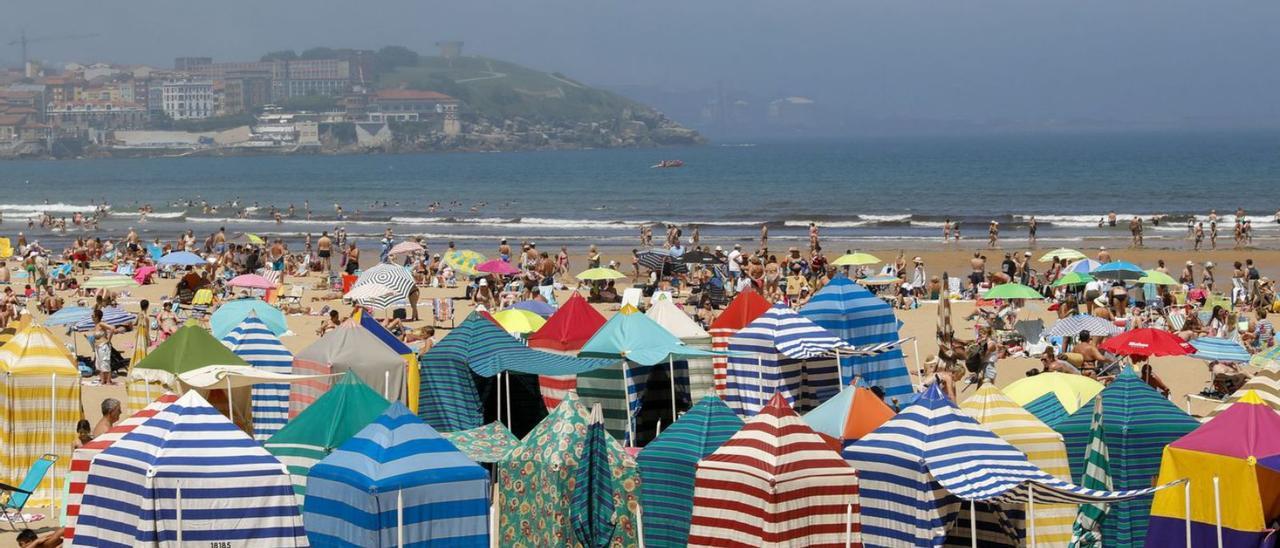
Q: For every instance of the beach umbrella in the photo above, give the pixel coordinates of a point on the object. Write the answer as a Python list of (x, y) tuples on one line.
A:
[(856, 259), (668, 465), (1071, 326), (701, 257), (1071, 391), (1012, 291), (849, 415), (251, 281), (256, 342), (1062, 253), (464, 261), (1118, 270), (1083, 266), (600, 273), (591, 503), (658, 259), (1265, 384), (395, 277), (1156, 277), (497, 266), (518, 321), (231, 313), (1147, 342), (69, 315), (486, 444), (540, 308), (368, 292), (1072, 278), (181, 258), (406, 247), (112, 316), (245, 238), (110, 281), (1222, 350)]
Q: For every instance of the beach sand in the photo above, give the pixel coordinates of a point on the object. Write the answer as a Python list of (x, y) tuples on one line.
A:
[(1183, 375)]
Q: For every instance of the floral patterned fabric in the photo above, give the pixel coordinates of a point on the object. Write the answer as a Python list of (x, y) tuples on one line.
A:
[(488, 443), (536, 483)]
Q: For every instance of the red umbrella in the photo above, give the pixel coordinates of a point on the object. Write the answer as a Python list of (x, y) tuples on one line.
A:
[(1147, 342), (497, 266)]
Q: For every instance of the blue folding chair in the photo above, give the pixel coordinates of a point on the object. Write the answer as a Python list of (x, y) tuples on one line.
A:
[(17, 497)]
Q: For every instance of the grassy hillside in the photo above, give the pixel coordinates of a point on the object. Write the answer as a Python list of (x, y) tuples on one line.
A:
[(499, 90)]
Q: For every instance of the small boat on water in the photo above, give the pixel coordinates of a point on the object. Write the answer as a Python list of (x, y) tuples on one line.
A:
[(669, 163)]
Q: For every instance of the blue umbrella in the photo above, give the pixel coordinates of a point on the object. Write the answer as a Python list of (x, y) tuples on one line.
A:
[(113, 317), (181, 258), (1084, 266), (537, 307), (1118, 270), (69, 315), (231, 313), (1215, 349)]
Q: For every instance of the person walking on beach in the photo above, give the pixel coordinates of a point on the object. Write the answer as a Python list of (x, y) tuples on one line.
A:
[(102, 333), (993, 233), (388, 240), (946, 230), (1133, 232), (764, 237), (1199, 235), (1213, 232), (1031, 230), (813, 236)]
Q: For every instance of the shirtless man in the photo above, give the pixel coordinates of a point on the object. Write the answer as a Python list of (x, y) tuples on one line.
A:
[(977, 270), (220, 240), (110, 415), (1089, 353), (504, 251), (993, 234), (324, 250)]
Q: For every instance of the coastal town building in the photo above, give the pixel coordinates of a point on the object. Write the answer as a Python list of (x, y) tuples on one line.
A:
[(96, 114), (408, 105), (244, 91), (187, 99)]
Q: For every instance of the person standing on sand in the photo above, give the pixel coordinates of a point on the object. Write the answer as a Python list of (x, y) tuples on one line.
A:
[(956, 230), (977, 270), (993, 233), (1213, 233), (324, 250), (102, 333), (946, 230), (220, 240), (1199, 235), (1133, 232), (695, 236), (764, 236), (504, 251), (813, 236), (388, 240), (1031, 230)]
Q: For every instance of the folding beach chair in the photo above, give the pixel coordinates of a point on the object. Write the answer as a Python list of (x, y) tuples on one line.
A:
[(441, 312), (16, 497)]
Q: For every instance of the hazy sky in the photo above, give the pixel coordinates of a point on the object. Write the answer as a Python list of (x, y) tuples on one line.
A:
[(1137, 60)]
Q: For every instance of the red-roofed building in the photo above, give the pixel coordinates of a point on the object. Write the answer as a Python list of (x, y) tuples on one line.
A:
[(408, 105)]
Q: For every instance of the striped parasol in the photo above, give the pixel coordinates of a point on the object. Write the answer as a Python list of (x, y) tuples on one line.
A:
[(367, 292), (406, 247), (251, 281), (1216, 349), (114, 317), (395, 278), (1073, 325), (656, 259)]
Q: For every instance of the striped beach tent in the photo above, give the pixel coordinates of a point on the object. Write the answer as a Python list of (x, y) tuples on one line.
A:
[(347, 348), (412, 380), (678, 323), (138, 393), (189, 348), (849, 415), (345, 409), (570, 327), (1043, 447), (859, 317), (743, 310), (917, 468), (188, 475), (1071, 391), (1137, 423), (1265, 384), (460, 388), (1239, 450), (536, 482), (775, 483), (397, 483), (81, 457), (668, 464), (39, 408), (255, 343), (1047, 409), (784, 352)]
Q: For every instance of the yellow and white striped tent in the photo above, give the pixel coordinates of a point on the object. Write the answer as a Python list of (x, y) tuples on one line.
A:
[(1265, 384), (1044, 448), (140, 393), (39, 407)]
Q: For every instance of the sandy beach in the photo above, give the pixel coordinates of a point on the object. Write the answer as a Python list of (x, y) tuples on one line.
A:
[(1184, 375)]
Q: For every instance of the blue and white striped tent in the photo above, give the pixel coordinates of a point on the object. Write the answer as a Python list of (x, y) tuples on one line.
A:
[(861, 318), (397, 472), (254, 342), (915, 470), (232, 491), (782, 351), (1223, 350)]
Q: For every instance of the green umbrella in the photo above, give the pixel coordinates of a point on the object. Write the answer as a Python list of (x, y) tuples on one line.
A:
[(1012, 291), (1072, 278), (110, 281), (1158, 278), (1062, 253), (464, 261), (856, 259), (600, 273)]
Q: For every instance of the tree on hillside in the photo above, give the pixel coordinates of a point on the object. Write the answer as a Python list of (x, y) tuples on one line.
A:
[(282, 55), (389, 58), (318, 53)]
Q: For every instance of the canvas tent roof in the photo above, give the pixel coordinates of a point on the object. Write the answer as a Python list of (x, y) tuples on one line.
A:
[(634, 336), (570, 327), (348, 348), (858, 316), (258, 344), (786, 352), (190, 347)]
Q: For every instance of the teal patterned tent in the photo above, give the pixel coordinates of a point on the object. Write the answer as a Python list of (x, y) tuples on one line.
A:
[(1048, 409), (668, 464), (1137, 422)]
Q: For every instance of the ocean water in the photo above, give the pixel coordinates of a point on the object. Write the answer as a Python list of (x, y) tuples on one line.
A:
[(863, 192)]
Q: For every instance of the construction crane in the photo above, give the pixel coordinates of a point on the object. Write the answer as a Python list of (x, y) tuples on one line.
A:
[(23, 41)]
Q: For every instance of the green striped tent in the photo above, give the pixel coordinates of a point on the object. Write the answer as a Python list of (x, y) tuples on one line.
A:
[(1047, 408), (458, 390), (1137, 423), (668, 464), (334, 418)]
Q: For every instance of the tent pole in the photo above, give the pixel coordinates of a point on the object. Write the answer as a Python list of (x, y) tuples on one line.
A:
[(640, 526), (840, 369), (498, 381), (915, 352), (231, 405), (53, 411), (1217, 509), (760, 381), (671, 364), (177, 499), (493, 516), (507, 381), (386, 385), (1186, 509), (848, 526), (146, 390), (626, 404), (973, 523), (400, 518), (1031, 516)]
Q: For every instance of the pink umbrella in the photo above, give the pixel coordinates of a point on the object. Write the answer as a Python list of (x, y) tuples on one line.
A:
[(405, 247), (497, 266), (252, 281), (143, 273)]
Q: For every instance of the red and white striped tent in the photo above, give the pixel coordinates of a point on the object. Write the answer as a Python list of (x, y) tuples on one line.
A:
[(744, 309), (775, 483), (82, 457)]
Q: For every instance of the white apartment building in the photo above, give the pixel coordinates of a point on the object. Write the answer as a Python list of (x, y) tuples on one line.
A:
[(188, 99)]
